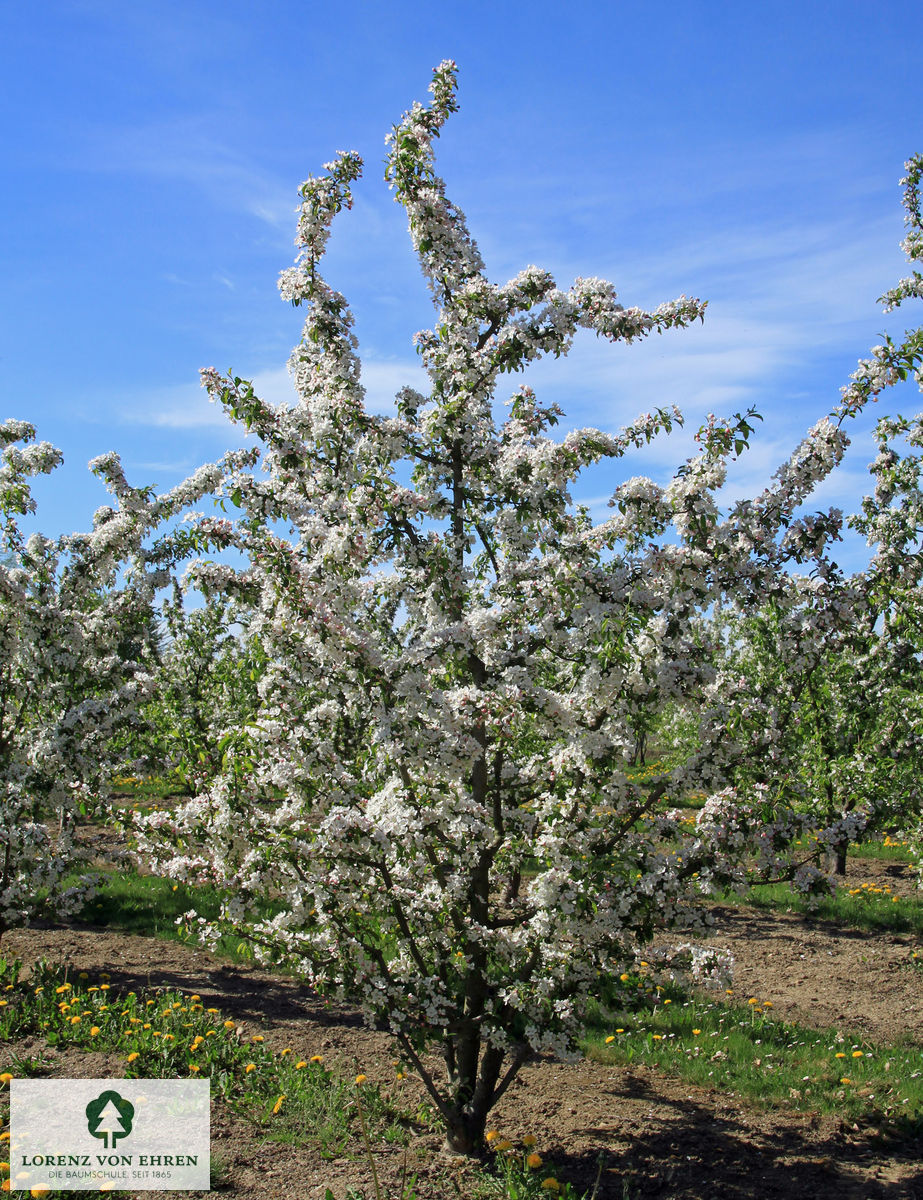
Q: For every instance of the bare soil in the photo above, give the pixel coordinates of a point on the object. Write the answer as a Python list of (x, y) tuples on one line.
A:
[(658, 1136)]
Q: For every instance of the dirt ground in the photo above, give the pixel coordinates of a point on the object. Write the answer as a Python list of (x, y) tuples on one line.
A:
[(658, 1136)]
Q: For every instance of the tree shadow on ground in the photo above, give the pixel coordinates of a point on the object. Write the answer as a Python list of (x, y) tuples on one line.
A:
[(682, 1149)]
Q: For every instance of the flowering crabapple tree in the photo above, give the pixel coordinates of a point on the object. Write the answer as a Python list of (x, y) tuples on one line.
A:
[(75, 623), (436, 818), (820, 676)]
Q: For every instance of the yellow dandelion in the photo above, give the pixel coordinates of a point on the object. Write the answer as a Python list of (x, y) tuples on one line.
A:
[(278, 1104), (360, 1079), (624, 977), (249, 1067), (529, 1140), (839, 1054), (317, 1058), (258, 1038), (492, 1135), (94, 1030), (857, 1054), (610, 1038), (65, 987), (195, 999), (551, 1184), (134, 1054), (503, 1145), (300, 1064), (287, 1050), (194, 1069), (534, 1161), (696, 1032), (229, 1025)]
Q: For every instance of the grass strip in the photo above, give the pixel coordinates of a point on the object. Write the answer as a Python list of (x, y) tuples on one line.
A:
[(743, 1049)]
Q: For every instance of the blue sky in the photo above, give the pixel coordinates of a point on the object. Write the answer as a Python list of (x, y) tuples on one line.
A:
[(748, 154)]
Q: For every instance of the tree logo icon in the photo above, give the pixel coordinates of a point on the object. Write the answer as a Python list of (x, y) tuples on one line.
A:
[(109, 1116)]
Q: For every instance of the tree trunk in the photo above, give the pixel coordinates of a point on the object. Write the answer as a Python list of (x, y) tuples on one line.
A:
[(836, 858)]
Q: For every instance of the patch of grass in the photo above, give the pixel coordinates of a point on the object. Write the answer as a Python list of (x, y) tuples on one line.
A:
[(889, 849), (164, 1034), (872, 907), (150, 905), (743, 1049)]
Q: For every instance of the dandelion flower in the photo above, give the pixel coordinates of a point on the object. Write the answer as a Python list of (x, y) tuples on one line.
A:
[(229, 1025), (299, 1065), (492, 1135), (258, 1038), (361, 1078), (65, 987), (839, 1054), (194, 1068), (94, 1030), (551, 1184), (503, 1145), (857, 1054), (249, 1067), (134, 1054), (696, 1032), (317, 1058), (534, 1161), (610, 1038), (278, 1104)]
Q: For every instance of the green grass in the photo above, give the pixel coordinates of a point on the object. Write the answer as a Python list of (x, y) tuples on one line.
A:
[(165, 1034), (888, 850), (743, 1049), (873, 908), (151, 906)]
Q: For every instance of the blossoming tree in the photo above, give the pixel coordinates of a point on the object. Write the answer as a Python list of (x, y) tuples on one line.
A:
[(434, 814), (76, 614)]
